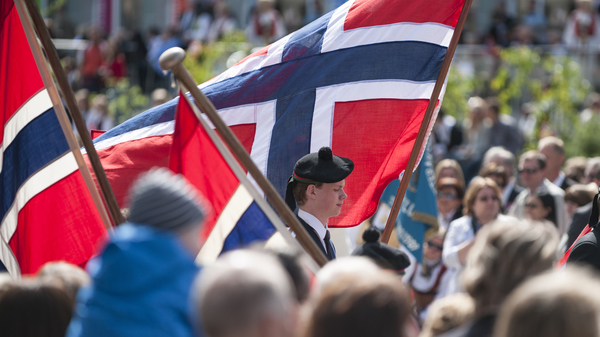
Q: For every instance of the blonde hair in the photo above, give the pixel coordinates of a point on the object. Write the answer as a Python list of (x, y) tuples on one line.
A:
[(555, 304), (448, 313), (505, 254), (476, 185), (451, 164)]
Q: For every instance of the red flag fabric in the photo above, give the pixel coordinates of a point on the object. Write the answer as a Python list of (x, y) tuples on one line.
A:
[(563, 260), (46, 210), (239, 218)]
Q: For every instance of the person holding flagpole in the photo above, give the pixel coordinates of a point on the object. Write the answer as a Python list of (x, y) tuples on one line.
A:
[(317, 186)]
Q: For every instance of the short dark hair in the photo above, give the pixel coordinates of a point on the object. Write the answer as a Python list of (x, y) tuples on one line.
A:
[(35, 309), (368, 305), (299, 190), (493, 104), (534, 155)]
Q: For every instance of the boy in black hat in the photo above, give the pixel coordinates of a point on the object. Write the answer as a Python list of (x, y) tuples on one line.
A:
[(317, 186)]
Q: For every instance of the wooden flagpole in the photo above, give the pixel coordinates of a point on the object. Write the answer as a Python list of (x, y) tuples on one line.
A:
[(241, 175), (69, 97), (171, 60), (412, 161), (59, 110)]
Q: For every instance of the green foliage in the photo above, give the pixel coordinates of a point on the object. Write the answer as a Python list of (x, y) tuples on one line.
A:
[(553, 85), (125, 101), (584, 141), (207, 61), (458, 90)]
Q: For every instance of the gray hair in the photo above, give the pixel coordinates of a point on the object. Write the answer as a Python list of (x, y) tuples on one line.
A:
[(240, 290), (507, 157), (555, 304)]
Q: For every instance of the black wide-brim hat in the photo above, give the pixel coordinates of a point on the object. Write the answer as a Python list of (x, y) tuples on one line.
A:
[(318, 167)]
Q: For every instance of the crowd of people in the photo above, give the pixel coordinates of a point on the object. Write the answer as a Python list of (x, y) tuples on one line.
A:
[(505, 217), (496, 270)]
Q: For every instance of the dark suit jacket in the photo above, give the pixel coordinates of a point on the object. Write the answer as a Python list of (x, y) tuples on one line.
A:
[(580, 219), (567, 183), (313, 234), (586, 250), (513, 195)]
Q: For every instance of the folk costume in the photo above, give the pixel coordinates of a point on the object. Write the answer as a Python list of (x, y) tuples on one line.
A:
[(313, 168)]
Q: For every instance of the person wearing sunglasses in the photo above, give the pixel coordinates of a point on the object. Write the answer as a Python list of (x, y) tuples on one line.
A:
[(540, 207), (449, 200), (482, 205), (429, 279), (532, 170)]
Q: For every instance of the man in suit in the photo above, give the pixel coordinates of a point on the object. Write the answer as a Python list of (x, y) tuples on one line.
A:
[(586, 250), (532, 168), (506, 159), (317, 186), (554, 150), (582, 215)]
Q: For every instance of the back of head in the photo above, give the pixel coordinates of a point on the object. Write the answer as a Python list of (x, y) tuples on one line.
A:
[(351, 266), (581, 194), (165, 201), (64, 275), (555, 304), (505, 254), (448, 313), (369, 304), (245, 293), (33, 309)]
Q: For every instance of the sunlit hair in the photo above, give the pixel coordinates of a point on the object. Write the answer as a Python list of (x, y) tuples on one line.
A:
[(506, 156), (557, 144), (367, 304), (505, 254), (476, 185), (533, 155), (555, 304), (580, 194), (452, 164), (448, 313)]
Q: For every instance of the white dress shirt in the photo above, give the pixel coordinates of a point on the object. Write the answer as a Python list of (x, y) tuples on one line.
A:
[(313, 222), (560, 179)]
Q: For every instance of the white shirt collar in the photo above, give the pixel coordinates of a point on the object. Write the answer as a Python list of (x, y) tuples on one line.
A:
[(560, 179), (313, 222)]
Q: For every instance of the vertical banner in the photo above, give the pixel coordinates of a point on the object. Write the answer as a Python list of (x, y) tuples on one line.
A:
[(418, 212)]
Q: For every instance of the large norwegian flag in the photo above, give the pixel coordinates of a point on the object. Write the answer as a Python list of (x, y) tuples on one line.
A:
[(241, 216), (358, 79), (46, 210)]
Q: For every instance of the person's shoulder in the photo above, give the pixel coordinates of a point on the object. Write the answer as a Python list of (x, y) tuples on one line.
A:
[(584, 210), (586, 244), (567, 182), (460, 223), (553, 189)]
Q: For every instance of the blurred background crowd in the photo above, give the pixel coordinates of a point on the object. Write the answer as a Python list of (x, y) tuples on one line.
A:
[(540, 58)]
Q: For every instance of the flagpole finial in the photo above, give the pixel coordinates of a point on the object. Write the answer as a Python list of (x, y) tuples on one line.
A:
[(171, 58)]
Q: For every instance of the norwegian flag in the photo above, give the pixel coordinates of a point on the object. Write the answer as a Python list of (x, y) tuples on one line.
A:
[(242, 217), (357, 79), (47, 212)]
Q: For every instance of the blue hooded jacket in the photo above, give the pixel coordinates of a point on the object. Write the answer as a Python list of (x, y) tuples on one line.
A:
[(140, 287)]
